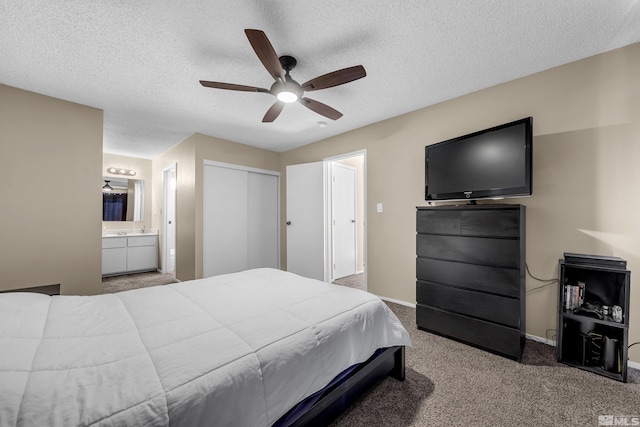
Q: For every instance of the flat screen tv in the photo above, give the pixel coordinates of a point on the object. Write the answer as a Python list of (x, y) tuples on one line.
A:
[(490, 164)]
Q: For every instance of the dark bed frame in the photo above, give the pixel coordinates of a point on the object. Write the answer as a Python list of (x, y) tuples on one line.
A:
[(335, 400)]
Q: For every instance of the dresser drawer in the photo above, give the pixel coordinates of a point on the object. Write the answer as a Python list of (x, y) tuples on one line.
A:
[(469, 222), (493, 308), (502, 281), (438, 222), (494, 223), (490, 336), (473, 250)]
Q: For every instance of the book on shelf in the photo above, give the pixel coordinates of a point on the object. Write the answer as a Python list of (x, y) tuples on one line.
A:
[(574, 295)]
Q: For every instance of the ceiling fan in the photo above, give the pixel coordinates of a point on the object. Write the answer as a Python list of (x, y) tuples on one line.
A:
[(285, 88)]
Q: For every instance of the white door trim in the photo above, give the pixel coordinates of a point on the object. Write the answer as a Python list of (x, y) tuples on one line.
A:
[(327, 206), (165, 250), (240, 167)]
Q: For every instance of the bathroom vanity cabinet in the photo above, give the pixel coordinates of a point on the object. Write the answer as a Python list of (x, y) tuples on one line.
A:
[(129, 254)]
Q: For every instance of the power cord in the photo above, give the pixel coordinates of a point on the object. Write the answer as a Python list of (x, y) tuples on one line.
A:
[(631, 345), (550, 281), (538, 279)]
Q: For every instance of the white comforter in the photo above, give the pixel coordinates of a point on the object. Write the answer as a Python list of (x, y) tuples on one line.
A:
[(234, 350)]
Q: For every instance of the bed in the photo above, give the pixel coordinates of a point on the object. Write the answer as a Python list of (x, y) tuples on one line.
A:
[(241, 349)]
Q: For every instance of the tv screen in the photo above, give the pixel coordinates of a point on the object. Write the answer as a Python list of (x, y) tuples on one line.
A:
[(492, 163)]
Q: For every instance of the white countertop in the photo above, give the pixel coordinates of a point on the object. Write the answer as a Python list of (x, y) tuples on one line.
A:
[(129, 233)]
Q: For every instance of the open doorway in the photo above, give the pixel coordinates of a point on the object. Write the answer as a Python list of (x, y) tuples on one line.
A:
[(311, 241), (169, 220), (346, 219)]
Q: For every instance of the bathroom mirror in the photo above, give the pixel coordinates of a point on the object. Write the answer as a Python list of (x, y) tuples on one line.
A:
[(122, 199)]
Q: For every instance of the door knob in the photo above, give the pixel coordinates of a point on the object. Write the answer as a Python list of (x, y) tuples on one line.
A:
[(288, 222), (353, 220)]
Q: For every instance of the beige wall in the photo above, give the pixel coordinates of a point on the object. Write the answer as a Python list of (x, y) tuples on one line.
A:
[(143, 168), (189, 156), (50, 215), (585, 178)]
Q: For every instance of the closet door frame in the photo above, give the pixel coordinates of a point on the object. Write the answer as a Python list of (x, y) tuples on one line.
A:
[(248, 170)]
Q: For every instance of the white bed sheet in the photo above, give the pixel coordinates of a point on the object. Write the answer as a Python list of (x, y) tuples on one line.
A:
[(234, 350)]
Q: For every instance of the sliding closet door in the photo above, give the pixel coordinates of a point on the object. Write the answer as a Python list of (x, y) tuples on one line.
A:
[(225, 220), (240, 219), (263, 217)]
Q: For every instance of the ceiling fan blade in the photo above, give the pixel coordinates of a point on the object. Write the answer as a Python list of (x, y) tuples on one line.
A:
[(320, 108), (267, 55), (273, 112), (231, 86), (335, 78)]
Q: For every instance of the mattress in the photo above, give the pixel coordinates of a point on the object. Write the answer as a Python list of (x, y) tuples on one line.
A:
[(233, 350)]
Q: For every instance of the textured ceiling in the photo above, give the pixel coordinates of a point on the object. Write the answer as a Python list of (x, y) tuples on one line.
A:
[(140, 61)]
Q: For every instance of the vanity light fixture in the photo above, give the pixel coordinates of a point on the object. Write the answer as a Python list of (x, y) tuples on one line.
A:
[(121, 171), (106, 186)]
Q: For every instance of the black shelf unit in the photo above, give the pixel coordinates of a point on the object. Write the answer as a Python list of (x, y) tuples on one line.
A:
[(589, 337), (470, 275)]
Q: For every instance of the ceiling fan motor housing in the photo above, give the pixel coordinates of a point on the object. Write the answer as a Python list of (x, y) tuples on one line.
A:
[(288, 62)]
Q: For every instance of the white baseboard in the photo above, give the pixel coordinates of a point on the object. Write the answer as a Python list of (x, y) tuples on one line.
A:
[(540, 339), (396, 301)]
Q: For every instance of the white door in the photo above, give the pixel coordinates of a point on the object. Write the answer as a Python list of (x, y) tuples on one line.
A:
[(305, 220), (343, 202), (263, 217), (241, 217), (225, 218), (169, 218)]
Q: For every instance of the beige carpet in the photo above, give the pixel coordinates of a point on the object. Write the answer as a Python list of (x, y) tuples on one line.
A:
[(134, 281), (451, 384), (354, 281)]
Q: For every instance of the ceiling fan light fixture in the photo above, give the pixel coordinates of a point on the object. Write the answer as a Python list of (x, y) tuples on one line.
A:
[(288, 92), (286, 96)]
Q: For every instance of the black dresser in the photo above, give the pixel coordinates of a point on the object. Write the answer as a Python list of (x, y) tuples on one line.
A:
[(470, 272)]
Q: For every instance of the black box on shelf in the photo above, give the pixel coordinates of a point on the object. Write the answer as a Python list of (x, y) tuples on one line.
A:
[(584, 349), (604, 261), (610, 358), (579, 347)]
